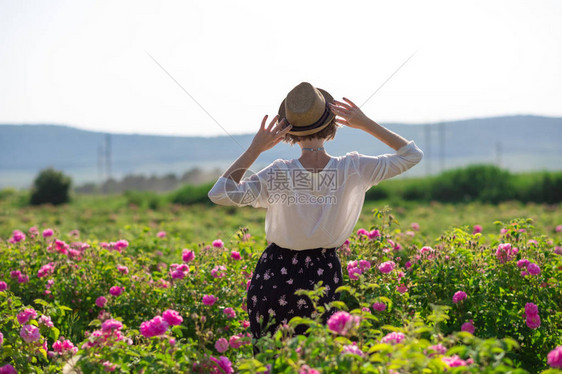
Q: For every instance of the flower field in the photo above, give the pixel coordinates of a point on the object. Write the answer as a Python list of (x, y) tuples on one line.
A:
[(468, 300)]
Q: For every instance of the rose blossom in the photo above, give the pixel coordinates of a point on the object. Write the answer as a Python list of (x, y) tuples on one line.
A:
[(46, 321), (402, 288), (554, 358), (387, 267), (342, 322), (100, 301), (218, 243), (379, 306), (362, 232), (468, 327), (522, 263), (47, 233), (218, 271), (352, 349), (505, 252), (533, 321), (116, 290), (224, 364), (26, 315), (172, 317), (459, 296), (533, 269), (209, 299), (30, 333), (110, 324), (187, 255), (8, 369), (229, 312), (454, 361), (393, 338), (154, 327), (531, 309), (221, 345)]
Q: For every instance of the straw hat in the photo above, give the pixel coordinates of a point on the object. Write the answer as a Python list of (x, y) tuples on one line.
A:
[(306, 108)]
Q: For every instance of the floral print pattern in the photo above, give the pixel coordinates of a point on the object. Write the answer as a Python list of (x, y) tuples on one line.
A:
[(271, 299)]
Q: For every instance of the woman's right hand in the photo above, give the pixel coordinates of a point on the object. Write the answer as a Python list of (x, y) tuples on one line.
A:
[(351, 114), (268, 137)]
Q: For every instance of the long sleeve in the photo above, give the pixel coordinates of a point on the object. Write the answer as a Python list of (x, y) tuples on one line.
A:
[(374, 169), (250, 191)]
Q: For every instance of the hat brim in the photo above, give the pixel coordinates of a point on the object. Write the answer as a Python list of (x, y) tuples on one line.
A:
[(328, 98)]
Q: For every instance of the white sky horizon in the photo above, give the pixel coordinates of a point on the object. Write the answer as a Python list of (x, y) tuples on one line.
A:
[(86, 65)]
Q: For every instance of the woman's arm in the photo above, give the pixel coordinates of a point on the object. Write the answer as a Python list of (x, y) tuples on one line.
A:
[(230, 189), (354, 117), (374, 169), (265, 139)]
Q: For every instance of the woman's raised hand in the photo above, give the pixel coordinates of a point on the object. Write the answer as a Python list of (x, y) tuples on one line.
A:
[(267, 138), (350, 114)]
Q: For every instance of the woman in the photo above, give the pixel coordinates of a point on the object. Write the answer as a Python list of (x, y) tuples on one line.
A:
[(313, 202)]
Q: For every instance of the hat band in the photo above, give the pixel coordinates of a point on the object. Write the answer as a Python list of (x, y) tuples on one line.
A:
[(316, 124)]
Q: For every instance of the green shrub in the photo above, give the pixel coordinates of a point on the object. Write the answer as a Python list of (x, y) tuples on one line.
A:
[(189, 194), (143, 199), (485, 183), (50, 186)]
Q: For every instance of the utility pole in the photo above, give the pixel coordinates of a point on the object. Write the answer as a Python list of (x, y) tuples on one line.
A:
[(108, 155), (428, 148), (499, 154), (100, 164), (442, 145)]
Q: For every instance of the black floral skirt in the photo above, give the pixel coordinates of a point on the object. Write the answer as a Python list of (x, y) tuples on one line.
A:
[(271, 298)]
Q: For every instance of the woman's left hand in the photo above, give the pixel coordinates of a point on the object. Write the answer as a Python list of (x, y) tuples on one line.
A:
[(267, 138)]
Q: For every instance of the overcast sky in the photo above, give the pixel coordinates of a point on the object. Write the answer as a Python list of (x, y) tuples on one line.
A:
[(85, 63)]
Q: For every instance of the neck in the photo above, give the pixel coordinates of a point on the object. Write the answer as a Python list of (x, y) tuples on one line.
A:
[(313, 151)]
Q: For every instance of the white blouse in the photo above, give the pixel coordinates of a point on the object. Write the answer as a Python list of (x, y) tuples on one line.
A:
[(307, 210)]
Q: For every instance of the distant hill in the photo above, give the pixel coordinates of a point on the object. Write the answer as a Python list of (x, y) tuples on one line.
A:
[(518, 143)]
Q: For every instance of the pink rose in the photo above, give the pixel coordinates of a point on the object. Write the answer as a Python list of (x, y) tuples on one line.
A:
[(116, 290), (224, 364), (221, 345), (393, 338), (100, 301), (468, 327), (172, 317), (342, 322), (379, 307), (26, 315), (229, 312), (533, 321), (459, 296), (155, 327), (187, 255), (454, 361), (209, 299), (533, 269), (387, 267), (554, 358), (30, 333)]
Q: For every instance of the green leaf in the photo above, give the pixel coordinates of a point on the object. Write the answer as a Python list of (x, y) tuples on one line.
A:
[(251, 364), (54, 333), (41, 302), (177, 330)]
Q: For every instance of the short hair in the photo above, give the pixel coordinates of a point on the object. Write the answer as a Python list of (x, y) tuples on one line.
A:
[(327, 133)]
